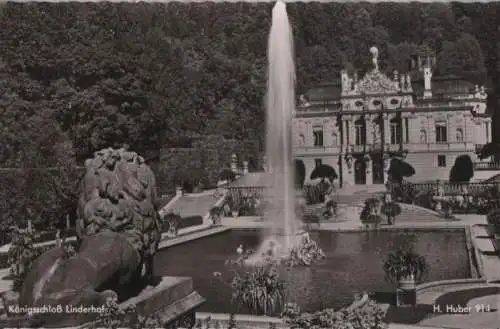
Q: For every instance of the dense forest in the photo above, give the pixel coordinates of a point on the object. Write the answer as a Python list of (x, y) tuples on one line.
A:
[(76, 77)]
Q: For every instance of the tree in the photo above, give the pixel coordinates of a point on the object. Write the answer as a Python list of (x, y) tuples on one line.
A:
[(324, 172), (399, 169), (463, 57), (462, 170)]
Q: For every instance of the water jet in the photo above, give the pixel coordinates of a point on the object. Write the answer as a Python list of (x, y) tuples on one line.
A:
[(285, 235)]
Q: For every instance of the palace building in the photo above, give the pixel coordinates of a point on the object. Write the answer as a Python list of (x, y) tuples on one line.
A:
[(357, 125)]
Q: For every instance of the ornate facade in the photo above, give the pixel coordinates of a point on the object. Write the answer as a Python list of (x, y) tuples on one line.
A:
[(357, 126)]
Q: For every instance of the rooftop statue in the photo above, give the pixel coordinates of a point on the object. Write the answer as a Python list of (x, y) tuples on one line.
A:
[(118, 235)]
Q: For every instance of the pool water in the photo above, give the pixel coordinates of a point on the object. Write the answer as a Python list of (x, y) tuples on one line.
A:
[(353, 264)]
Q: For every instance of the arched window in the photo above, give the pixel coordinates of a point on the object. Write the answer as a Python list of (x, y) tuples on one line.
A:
[(423, 136), (460, 135), (302, 139), (334, 139)]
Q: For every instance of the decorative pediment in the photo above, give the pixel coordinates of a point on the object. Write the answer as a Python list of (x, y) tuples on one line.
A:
[(375, 82)]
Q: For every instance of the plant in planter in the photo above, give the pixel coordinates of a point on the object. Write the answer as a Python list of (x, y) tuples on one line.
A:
[(235, 203), (370, 215), (171, 223), (390, 209), (330, 209), (216, 213), (405, 266), (260, 289)]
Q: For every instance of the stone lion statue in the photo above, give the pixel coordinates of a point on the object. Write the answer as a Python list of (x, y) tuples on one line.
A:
[(118, 233)]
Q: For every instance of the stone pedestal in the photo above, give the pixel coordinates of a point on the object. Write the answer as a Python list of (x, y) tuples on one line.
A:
[(173, 299)]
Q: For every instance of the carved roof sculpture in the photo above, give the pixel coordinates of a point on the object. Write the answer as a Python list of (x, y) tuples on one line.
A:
[(375, 82)]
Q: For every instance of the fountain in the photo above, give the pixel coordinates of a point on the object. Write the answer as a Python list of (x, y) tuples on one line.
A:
[(285, 237)]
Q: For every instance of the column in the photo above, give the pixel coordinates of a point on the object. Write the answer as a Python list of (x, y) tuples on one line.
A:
[(404, 129), (352, 131), (387, 129), (344, 132), (488, 131)]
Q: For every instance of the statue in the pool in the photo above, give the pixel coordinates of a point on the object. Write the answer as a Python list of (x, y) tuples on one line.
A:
[(118, 234), (303, 251)]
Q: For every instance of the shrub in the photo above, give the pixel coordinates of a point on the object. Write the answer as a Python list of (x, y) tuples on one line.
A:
[(462, 170), (368, 316)]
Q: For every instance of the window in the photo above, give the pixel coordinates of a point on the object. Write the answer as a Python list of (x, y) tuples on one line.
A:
[(441, 161), (347, 139), (407, 131), (318, 162), (423, 136), (441, 132), (334, 139), (394, 101), (395, 133), (377, 102), (460, 135), (302, 139), (360, 134), (318, 135), (359, 103)]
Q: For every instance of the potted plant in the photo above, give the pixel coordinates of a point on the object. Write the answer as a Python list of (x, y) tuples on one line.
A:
[(216, 214), (233, 205), (404, 266), (330, 209), (390, 209), (370, 215), (171, 221), (260, 288)]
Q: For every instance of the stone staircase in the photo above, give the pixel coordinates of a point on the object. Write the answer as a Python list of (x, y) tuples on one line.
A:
[(411, 213)]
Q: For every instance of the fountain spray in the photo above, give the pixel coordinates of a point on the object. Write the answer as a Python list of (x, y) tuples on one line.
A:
[(280, 104)]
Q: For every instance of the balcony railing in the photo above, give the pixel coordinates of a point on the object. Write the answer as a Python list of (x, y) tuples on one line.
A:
[(491, 165), (449, 189), (316, 149), (411, 147)]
